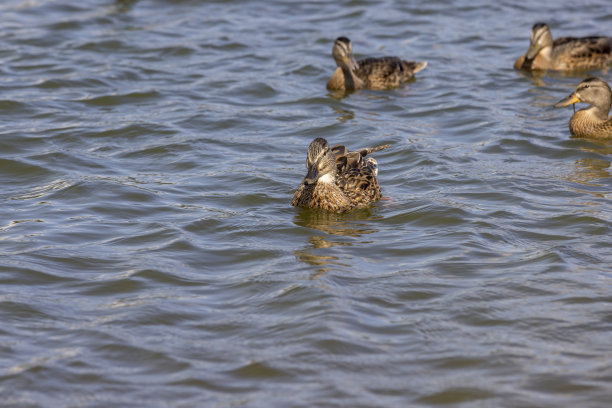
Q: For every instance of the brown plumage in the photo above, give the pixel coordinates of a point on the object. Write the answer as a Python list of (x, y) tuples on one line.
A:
[(371, 73), (593, 121), (338, 180), (566, 53)]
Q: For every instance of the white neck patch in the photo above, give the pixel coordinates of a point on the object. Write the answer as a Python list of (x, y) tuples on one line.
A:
[(327, 178), (546, 52)]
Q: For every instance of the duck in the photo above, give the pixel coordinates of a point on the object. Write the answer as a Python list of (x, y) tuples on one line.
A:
[(368, 73), (566, 53), (337, 179), (593, 121)]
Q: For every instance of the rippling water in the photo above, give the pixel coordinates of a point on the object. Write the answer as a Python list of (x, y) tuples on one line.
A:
[(148, 154)]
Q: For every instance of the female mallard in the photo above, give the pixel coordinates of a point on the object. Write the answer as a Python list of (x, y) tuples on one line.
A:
[(372, 73), (593, 121), (338, 180), (564, 54)]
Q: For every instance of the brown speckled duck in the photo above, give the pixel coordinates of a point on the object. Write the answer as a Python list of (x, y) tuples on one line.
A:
[(371, 73), (566, 53), (593, 121), (338, 180)]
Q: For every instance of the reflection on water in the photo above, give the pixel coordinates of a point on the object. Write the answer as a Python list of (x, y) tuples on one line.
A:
[(603, 147), (590, 171), (308, 256), (339, 94), (336, 226), (343, 115), (345, 224)]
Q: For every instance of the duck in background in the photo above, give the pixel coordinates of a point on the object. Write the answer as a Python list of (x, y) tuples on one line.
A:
[(566, 53), (593, 121), (338, 180), (370, 73)]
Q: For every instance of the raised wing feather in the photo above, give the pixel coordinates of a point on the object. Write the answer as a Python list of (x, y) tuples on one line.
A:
[(346, 159)]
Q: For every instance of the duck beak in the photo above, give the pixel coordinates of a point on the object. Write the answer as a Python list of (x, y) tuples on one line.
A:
[(567, 101), (311, 176), (532, 51)]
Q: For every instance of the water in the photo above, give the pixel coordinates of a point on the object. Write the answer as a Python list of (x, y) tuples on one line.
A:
[(150, 257)]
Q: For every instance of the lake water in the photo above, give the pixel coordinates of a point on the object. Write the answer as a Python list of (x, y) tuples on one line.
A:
[(149, 255)]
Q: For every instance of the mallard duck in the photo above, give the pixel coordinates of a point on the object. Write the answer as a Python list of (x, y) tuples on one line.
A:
[(372, 73), (593, 121), (566, 53), (338, 180)]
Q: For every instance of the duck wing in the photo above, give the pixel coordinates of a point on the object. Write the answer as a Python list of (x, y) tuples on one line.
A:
[(412, 67), (585, 51), (346, 159), (359, 185), (382, 72), (604, 130)]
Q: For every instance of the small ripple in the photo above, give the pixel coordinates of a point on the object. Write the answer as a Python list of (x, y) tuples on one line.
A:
[(129, 131), (13, 274), (44, 361), (457, 395), (84, 83), (103, 47), (64, 26), (430, 215), (22, 312), (258, 90), (175, 51), (139, 360), (122, 99), (114, 287), (10, 107), (581, 300), (226, 46), (19, 172), (258, 370)]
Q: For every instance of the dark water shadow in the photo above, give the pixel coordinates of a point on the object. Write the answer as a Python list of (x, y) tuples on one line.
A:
[(124, 6)]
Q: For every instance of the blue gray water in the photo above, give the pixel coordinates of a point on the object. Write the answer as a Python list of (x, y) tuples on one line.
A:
[(150, 258)]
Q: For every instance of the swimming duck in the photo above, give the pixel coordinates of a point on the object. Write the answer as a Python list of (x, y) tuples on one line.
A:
[(593, 121), (566, 53), (338, 180), (372, 73)]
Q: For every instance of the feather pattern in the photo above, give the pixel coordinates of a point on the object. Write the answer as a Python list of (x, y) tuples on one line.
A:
[(582, 124), (352, 178), (370, 73)]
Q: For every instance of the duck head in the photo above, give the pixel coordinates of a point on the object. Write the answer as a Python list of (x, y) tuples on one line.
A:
[(343, 54), (594, 91), (541, 40), (320, 163)]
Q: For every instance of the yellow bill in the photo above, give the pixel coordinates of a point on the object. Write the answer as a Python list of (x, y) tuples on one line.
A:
[(567, 101)]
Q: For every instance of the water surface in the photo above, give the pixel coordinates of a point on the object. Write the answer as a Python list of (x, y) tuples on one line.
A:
[(148, 154)]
